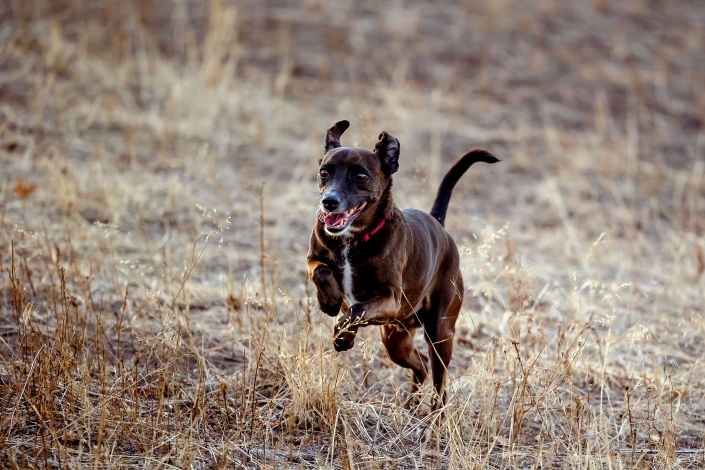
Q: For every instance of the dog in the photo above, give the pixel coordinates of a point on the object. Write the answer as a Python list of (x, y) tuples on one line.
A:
[(381, 265)]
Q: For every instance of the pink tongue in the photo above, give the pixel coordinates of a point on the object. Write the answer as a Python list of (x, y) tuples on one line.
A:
[(333, 219)]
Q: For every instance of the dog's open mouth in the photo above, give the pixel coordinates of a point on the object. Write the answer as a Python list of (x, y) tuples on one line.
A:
[(339, 221)]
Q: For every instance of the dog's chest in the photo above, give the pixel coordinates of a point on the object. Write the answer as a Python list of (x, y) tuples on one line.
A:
[(347, 271)]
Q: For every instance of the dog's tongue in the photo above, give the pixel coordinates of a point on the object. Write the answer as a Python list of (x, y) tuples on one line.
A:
[(333, 219)]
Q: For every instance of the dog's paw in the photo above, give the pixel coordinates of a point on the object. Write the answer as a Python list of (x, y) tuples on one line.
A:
[(345, 331), (328, 294), (330, 308), (344, 340)]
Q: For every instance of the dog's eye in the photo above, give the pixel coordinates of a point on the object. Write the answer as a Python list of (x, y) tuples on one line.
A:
[(360, 177), (323, 174)]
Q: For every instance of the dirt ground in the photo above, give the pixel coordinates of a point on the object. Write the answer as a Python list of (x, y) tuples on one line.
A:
[(158, 166)]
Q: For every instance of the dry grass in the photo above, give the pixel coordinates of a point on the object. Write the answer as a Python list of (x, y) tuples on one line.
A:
[(157, 189)]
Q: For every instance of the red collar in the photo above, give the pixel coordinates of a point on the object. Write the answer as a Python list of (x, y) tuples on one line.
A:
[(377, 229)]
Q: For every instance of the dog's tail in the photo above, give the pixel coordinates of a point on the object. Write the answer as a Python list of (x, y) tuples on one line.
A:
[(440, 205)]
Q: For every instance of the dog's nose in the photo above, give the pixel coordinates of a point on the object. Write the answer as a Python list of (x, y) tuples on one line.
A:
[(330, 203)]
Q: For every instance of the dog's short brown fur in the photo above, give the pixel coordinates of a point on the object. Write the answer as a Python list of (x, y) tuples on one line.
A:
[(380, 265)]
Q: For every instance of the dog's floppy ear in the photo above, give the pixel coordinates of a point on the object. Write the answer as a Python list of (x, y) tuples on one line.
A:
[(387, 149), (334, 133)]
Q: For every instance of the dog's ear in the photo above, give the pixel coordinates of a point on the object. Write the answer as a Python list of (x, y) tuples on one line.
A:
[(387, 149), (334, 133)]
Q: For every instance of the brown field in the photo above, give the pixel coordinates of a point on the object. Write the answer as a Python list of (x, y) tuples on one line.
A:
[(157, 191)]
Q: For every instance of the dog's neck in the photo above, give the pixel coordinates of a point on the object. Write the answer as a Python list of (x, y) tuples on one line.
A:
[(384, 208), (383, 213), (379, 226)]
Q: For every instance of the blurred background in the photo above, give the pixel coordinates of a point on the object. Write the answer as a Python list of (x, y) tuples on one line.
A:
[(587, 102), (170, 148), (144, 111)]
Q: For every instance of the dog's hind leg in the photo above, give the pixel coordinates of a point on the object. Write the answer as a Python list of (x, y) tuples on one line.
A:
[(401, 350), (440, 329)]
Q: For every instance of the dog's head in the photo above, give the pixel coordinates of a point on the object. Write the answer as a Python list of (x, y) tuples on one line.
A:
[(352, 181)]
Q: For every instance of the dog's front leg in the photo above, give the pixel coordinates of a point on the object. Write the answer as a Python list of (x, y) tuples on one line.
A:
[(328, 294), (379, 310)]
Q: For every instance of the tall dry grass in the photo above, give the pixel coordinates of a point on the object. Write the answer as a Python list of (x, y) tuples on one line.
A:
[(157, 189)]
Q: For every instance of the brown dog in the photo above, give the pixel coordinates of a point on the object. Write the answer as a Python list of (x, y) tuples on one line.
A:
[(380, 265)]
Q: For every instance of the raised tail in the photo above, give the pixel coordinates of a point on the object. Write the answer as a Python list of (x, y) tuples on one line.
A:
[(440, 205)]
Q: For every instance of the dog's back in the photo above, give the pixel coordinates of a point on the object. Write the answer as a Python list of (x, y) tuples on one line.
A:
[(430, 245)]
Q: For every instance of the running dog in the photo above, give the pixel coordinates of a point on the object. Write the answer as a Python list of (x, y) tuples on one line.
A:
[(381, 265)]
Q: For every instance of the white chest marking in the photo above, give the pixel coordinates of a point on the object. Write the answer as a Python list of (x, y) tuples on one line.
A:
[(347, 279)]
